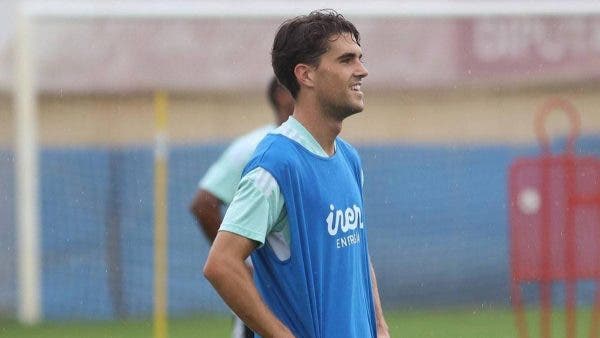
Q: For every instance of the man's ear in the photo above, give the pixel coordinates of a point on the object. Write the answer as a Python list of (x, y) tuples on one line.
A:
[(304, 74)]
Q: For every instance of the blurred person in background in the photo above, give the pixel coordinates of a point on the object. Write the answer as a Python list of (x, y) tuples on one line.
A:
[(298, 209), (217, 187)]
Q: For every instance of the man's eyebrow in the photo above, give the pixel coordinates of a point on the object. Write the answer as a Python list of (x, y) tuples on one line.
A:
[(349, 55)]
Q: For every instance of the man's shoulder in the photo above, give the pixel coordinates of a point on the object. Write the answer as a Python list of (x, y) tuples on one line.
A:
[(274, 145), (274, 151)]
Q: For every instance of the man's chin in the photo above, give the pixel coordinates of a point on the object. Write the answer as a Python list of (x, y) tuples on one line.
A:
[(342, 111), (357, 108), (353, 110)]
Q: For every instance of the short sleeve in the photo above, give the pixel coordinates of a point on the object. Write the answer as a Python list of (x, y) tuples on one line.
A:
[(256, 207)]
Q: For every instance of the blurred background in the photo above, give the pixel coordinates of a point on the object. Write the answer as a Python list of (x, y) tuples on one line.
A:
[(450, 104)]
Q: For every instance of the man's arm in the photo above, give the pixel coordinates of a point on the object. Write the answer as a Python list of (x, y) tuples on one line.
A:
[(382, 327), (206, 207), (226, 271)]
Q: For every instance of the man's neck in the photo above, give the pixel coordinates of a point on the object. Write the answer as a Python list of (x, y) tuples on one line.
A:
[(323, 128)]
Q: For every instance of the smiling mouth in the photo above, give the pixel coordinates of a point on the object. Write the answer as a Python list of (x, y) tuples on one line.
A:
[(356, 87)]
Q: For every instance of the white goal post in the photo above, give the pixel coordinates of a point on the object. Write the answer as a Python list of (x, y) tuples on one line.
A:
[(32, 13)]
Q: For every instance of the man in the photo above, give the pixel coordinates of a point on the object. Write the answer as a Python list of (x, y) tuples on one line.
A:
[(219, 184), (298, 208)]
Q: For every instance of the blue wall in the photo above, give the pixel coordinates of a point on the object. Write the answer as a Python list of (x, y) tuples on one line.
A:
[(437, 220)]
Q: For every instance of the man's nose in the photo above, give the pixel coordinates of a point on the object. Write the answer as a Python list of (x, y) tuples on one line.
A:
[(362, 70)]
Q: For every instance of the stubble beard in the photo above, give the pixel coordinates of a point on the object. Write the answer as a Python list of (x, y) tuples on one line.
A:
[(340, 111)]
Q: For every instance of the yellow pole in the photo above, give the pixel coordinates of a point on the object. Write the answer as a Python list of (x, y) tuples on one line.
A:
[(160, 215)]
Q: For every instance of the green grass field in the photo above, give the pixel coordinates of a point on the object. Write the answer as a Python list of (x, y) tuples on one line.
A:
[(414, 324)]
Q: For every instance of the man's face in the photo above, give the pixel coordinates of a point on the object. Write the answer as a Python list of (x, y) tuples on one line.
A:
[(338, 78)]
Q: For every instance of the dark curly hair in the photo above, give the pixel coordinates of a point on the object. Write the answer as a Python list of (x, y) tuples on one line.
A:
[(304, 39)]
